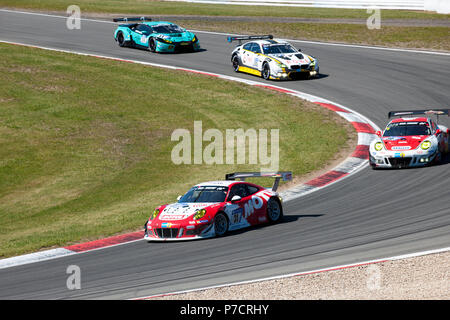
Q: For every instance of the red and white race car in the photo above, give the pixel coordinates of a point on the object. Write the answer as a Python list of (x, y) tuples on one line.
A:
[(212, 208), (410, 141)]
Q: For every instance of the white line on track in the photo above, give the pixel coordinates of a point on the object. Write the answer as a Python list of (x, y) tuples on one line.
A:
[(336, 268), (230, 34)]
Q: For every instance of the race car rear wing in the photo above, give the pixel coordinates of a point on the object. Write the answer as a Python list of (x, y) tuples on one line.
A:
[(244, 38), (126, 19), (284, 175), (437, 112)]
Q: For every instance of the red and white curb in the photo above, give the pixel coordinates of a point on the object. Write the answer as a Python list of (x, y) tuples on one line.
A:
[(305, 273), (358, 160)]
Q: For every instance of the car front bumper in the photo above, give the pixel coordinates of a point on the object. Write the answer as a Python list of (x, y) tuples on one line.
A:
[(290, 74), (404, 159), (183, 46), (179, 231)]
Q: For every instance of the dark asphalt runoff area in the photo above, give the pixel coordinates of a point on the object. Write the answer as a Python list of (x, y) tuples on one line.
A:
[(370, 215)]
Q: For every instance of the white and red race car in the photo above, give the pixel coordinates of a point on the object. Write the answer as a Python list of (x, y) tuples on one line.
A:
[(410, 141), (272, 59), (213, 208)]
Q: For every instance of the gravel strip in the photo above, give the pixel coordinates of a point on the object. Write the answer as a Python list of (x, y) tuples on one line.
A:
[(419, 278)]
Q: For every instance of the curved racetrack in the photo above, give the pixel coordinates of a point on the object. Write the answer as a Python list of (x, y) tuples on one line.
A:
[(370, 215)]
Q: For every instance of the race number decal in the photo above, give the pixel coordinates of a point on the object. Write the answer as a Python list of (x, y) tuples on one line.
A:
[(236, 216)]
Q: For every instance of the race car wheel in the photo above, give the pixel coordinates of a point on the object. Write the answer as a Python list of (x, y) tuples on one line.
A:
[(265, 74), (235, 62), (120, 39), (447, 147), (220, 224), (152, 45), (274, 211)]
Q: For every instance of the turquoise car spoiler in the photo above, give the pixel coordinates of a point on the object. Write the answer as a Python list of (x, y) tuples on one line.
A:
[(126, 19)]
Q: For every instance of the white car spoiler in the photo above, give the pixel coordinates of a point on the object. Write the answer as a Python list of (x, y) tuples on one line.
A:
[(284, 175)]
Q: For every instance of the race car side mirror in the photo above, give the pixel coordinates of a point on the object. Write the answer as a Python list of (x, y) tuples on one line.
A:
[(235, 198), (178, 198), (378, 133), (438, 132), (300, 50)]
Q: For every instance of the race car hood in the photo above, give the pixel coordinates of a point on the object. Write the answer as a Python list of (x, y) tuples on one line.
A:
[(290, 59), (403, 143), (181, 211), (176, 37)]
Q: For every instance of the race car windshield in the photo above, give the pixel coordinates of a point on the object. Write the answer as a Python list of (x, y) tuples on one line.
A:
[(407, 129), (205, 194), (278, 48), (167, 28)]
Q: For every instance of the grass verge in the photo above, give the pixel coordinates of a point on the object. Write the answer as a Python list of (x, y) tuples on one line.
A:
[(85, 143), (436, 38), (182, 8)]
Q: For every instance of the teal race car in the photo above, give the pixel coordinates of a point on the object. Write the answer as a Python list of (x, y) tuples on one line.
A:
[(156, 36)]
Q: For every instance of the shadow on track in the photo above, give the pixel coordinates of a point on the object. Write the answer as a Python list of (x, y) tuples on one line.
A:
[(286, 219)]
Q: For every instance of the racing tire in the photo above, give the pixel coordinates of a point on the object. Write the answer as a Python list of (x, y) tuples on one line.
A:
[(274, 210), (220, 224), (438, 159), (265, 73), (235, 63), (447, 147), (121, 40), (152, 45)]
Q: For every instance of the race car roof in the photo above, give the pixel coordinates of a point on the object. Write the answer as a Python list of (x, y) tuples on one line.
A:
[(220, 183), (269, 42), (155, 23)]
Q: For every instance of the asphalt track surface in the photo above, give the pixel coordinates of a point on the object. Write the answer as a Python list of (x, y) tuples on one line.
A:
[(370, 215)]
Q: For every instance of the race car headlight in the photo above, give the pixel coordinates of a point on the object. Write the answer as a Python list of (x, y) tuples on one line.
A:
[(163, 40), (154, 214), (378, 146), (195, 39), (200, 214), (425, 145)]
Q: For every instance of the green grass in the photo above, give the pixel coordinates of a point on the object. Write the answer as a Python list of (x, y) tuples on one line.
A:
[(436, 38), (150, 7), (85, 143)]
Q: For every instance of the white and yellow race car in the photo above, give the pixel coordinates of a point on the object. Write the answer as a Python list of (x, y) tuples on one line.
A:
[(272, 59)]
